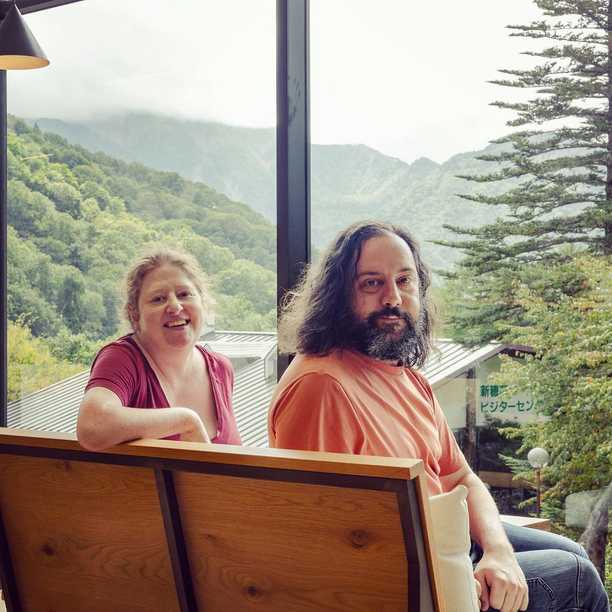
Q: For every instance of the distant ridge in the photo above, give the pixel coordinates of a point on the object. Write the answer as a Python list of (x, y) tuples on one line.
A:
[(349, 182)]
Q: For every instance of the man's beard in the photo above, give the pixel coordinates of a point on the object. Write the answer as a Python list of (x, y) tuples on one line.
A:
[(393, 341)]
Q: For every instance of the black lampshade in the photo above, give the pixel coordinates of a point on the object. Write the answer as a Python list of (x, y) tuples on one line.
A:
[(18, 47)]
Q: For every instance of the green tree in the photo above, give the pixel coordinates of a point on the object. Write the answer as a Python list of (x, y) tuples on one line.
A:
[(251, 281), (569, 375), (71, 300), (31, 365), (26, 208), (31, 287), (73, 348), (71, 238), (236, 312), (66, 198), (89, 189), (558, 181), (211, 257)]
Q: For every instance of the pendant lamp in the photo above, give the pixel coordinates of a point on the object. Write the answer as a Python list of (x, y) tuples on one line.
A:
[(18, 47)]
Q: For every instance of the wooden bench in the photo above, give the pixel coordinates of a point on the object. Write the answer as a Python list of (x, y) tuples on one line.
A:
[(166, 526), (531, 522)]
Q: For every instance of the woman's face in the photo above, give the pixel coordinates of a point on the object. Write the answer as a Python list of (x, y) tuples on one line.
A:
[(170, 311)]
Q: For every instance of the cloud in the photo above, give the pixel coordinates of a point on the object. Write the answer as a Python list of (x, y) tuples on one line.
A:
[(406, 78)]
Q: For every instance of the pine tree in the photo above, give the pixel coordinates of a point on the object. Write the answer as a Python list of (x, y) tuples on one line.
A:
[(558, 175), (569, 374)]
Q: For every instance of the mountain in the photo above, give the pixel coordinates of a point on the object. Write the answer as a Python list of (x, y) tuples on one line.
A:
[(238, 162), (76, 219), (349, 182)]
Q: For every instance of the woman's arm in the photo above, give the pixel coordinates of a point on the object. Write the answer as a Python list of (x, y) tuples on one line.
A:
[(103, 422)]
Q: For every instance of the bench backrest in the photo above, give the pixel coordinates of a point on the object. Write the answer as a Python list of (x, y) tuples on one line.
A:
[(165, 526)]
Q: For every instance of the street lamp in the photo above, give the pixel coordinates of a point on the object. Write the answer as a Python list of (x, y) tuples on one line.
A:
[(538, 458)]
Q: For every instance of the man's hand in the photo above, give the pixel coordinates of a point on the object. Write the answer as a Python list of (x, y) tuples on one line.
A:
[(502, 582)]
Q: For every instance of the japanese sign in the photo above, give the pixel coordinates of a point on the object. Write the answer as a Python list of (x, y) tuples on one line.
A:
[(491, 403)]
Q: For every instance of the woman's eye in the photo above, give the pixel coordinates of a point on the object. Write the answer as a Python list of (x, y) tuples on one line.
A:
[(158, 299), (185, 294)]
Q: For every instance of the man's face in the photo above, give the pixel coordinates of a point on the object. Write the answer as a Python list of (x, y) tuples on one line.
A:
[(386, 298), (386, 278)]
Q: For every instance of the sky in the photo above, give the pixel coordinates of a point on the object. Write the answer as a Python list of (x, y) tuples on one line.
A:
[(404, 77)]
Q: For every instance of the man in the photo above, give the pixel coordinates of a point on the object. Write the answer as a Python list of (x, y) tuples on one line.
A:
[(360, 322)]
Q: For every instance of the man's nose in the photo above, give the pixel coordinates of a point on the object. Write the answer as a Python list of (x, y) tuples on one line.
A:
[(391, 296)]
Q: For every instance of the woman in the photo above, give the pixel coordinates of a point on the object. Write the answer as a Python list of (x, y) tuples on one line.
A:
[(160, 365)]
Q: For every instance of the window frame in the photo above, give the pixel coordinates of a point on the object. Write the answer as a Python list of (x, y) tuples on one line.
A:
[(292, 161)]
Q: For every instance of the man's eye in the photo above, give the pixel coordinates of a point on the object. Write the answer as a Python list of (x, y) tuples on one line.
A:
[(404, 281), (371, 284)]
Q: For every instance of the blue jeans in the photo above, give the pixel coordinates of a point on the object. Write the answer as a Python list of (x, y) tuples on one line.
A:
[(559, 574)]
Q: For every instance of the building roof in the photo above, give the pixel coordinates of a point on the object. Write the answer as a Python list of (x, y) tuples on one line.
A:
[(252, 395), (241, 345), (55, 408), (450, 359)]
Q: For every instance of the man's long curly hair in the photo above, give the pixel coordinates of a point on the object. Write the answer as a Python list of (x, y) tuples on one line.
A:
[(317, 316)]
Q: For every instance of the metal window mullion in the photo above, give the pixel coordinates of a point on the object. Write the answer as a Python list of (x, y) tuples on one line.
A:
[(3, 254), (292, 146)]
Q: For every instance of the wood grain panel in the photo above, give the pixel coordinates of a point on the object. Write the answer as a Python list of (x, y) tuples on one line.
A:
[(357, 465), (261, 545), (85, 537), (503, 479), (531, 522)]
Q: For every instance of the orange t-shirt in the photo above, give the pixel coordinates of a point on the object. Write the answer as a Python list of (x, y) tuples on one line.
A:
[(347, 402)]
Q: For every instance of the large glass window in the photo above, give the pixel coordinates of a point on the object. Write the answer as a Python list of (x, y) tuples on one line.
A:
[(399, 104), (152, 125), (401, 113), (400, 109)]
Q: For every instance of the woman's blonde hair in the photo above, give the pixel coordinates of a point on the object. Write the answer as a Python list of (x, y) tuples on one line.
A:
[(153, 259)]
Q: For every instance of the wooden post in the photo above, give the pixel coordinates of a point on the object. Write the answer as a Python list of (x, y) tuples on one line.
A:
[(470, 450)]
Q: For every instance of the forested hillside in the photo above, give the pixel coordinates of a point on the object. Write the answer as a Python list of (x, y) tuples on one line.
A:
[(76, 219), (349, 182)]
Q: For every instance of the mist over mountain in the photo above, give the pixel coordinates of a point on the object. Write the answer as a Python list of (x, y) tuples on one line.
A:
[(349, 182)]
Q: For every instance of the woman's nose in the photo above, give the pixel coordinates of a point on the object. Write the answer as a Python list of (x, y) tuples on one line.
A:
[(173, 304)]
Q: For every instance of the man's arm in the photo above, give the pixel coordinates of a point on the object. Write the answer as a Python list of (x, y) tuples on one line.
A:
[(502, 581)]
